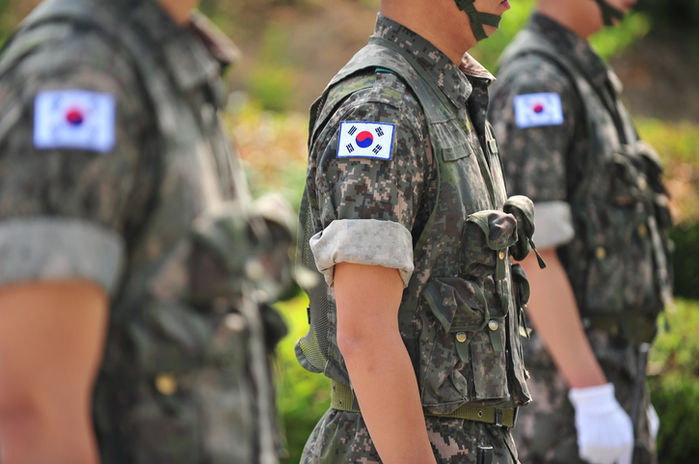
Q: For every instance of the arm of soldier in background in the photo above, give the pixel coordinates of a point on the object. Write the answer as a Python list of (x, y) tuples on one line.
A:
[(51, 340), (382, 374), (604, 429)]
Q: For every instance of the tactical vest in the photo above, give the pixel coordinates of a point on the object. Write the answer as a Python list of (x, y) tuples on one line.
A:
[(618, 261), (185, 377), (459, 317)]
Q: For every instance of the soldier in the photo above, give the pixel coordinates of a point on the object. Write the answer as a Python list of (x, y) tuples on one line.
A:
[(125, 223), (602, 216), (405, 217)]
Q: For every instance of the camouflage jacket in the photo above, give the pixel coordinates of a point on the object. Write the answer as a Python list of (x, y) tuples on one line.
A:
[(430, 206), (115, 169), (568, 142)]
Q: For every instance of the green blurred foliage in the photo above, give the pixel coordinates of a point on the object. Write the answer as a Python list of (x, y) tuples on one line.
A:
[(675, 142), (273, 79), (674, 384)]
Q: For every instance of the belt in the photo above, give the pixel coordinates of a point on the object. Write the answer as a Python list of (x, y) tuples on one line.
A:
[(343, 399), (633, 328)]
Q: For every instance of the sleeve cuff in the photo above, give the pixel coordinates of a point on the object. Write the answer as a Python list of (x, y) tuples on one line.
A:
[(553, 224), (48, 248), (363, 241)]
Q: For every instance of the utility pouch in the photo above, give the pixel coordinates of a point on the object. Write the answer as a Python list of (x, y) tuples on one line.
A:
[(487, 236), (522, 208)]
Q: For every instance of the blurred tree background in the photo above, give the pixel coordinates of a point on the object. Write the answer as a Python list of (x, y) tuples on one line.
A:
[(291, 48)]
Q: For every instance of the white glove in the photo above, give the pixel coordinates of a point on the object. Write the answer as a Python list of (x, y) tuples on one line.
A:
[(653, 422), (605, 433)]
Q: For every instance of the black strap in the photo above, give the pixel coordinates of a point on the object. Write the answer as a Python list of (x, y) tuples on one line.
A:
[(609, 13), (477, 18)]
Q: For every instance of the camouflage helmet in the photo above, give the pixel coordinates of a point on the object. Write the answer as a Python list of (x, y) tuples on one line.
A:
[(609, 13), (478, 19)]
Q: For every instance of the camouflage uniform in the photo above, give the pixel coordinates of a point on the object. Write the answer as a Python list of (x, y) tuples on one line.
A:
[(161, 220), (600, 201), (433, 210)]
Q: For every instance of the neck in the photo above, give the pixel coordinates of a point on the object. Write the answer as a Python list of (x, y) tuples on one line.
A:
[(578, 16), (179, 10), (449, 31)]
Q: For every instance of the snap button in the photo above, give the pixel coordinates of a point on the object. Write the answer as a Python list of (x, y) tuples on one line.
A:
[(480, 413), (166, 384), (642, 231), (501, 255), (601, 253), (493, 325), (461, 337), (642, 183), (235, 322)]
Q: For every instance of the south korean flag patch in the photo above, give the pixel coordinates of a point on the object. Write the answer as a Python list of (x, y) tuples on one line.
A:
[(365, 140), (74, 119), (538, 109)]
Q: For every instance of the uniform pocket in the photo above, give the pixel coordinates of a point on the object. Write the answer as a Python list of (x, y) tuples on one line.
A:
[(462, 345), (192, 373)]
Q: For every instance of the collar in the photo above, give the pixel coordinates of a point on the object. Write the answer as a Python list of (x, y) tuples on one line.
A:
[(455, 82), (574, 47), (194, 53)]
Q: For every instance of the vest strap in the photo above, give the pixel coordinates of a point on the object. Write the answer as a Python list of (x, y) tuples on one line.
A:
[(342, 398)]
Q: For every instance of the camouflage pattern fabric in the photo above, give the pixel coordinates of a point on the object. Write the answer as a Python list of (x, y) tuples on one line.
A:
[(443, 149), (617, 259), (342, 437), (162, 221)]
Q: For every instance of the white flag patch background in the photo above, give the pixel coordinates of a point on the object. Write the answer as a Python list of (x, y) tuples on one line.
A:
[(77, 119), (538, 109), (365, 140)]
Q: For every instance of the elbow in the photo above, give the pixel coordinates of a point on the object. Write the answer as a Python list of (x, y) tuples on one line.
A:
[(360, 342), (19, 415), (351, 343)]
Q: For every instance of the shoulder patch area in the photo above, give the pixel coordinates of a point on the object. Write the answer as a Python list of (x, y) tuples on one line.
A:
[(74, 119), (538, 109), (365, 140)]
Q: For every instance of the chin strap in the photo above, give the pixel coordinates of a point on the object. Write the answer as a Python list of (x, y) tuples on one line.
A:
[(609, 13), (478, 19)]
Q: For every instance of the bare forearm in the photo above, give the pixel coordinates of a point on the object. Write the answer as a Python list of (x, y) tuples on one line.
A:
[(386, 388), (554, 314), (378, 363), (51, 336), (33, 438)]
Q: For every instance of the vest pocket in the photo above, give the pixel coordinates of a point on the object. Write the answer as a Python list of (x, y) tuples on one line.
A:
[(189, 367), (620, 273), (462, 346)]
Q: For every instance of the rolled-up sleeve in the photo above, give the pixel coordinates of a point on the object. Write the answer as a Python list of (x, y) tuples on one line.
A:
[(553, 223), (48, 248), (363, 241), (365, 208)]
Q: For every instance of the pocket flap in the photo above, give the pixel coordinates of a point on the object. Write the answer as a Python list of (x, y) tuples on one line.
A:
[(499, 228), (458, 304), (456, 152)]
